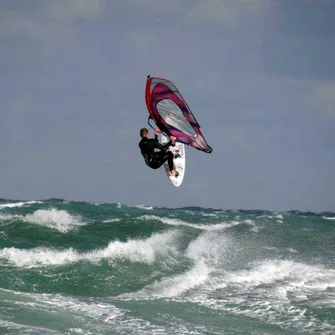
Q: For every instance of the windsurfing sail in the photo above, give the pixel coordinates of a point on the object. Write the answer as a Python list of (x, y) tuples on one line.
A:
[(171, 113)]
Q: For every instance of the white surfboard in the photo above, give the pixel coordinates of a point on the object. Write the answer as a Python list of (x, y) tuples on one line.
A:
[(179, 163)]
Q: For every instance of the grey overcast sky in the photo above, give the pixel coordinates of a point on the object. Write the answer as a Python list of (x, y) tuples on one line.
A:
[(259, 76)]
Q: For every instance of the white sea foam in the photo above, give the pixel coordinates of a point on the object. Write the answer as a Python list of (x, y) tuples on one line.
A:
[(212, 248), (276, 215), (142, 251), (279, 216), (208, 214), (8, 217), (149, 208), (55, 219), (19, 204), (55, 304), (206, 252), (144, 207), (52, 218), (177, 285), (112, 220), (20, 328), (264, 273), (91, 309), (269, 290), (37, 257), (177, 222), (96, 317), (291, 250), (252, 224), (297, 275)]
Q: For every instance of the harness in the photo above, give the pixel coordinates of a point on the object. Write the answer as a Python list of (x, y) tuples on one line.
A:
[(149, 158)]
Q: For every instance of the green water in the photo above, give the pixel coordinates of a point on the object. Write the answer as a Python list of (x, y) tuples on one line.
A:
[(80, 268)]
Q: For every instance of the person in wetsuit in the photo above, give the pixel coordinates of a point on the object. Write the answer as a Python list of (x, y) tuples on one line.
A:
[(156, 159)]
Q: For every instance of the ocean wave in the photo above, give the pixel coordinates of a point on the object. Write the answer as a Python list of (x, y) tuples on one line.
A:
[(136, 251), (271, 291), (161, 270), (64, 309), (112, 220), (178, 222), (172, 286), (19, 204), (52, 218), (206, 252), (24, 329)]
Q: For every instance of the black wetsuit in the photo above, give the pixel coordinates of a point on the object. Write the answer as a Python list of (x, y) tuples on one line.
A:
[(158, 158)]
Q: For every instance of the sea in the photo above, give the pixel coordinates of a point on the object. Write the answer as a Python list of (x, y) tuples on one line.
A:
[(71, 267)]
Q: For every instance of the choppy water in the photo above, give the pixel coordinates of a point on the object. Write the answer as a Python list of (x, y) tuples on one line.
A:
[(80, 268)]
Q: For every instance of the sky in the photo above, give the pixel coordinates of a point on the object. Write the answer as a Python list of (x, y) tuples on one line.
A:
[(259, 76)]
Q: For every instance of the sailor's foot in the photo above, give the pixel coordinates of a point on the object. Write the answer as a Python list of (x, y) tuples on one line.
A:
[(174, 173)]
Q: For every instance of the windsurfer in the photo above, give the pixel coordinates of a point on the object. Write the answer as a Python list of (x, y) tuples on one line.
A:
[(156, 159)]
